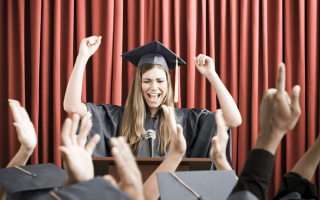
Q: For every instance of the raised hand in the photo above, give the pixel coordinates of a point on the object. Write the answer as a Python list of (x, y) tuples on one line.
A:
[(130, 176), (219, 144), (26, 133), (277, 111), (89, 45), (76, 156), (178, 142), (204, 64)]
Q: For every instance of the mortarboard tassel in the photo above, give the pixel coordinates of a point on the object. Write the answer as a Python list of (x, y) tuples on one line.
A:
[(176, 83)]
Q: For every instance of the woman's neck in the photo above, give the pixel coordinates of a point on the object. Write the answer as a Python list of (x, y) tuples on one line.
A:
[(153, 111)]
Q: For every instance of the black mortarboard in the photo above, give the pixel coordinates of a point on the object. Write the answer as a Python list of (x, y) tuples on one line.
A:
[(155, 53), (97, 188), (31, 181), (196, 184)]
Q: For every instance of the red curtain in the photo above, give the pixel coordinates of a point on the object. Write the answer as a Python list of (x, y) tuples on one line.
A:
[(39, 41)]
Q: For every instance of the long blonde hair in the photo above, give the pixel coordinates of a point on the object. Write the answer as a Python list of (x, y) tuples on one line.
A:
[(131, 125)]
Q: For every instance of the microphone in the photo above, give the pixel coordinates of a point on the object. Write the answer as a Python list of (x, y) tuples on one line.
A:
[(150, 136)]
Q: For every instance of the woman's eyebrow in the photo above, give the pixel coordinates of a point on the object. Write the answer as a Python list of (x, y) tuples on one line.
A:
[(151, 78)]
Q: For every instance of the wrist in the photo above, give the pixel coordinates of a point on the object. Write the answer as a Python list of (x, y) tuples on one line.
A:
[(27, 151), (219, 158), (212, 75), (69, 182), (83, 57), (268, 141), (222, 163)]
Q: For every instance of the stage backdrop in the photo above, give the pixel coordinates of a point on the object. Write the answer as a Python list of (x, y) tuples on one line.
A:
[(39, 42)]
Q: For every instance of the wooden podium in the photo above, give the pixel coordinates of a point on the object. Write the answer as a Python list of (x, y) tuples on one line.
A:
[(106, 165)]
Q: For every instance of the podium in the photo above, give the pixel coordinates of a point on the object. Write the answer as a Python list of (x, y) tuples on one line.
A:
[(106, 165)]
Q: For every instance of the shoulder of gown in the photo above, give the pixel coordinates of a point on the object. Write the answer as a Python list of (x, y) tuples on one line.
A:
[(105, 121)]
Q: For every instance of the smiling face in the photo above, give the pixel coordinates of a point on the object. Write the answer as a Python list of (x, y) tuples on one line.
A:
[(154, 88)]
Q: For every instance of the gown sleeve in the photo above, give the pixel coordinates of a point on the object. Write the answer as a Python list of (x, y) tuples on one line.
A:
[(105, 121), (199, 126)]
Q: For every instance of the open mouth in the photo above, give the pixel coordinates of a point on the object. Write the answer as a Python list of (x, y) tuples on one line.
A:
[(154, 97)]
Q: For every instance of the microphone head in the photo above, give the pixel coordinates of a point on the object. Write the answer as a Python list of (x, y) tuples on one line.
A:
[(150, 134)]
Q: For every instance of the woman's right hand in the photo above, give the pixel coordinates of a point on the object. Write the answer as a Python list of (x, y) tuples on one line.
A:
[(89, 46)]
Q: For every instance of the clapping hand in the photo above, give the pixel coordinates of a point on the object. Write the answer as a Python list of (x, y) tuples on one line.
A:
[(219, 144), (76, 155), (178, 142), (130, 176), (26, 133)]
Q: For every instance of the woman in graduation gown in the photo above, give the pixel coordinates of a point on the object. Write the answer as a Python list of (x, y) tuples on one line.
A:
[(150, 88)]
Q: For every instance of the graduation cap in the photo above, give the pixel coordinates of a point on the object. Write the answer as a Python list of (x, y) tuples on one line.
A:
[(156, 53), (194, 185), (31, 181), (97, 188)]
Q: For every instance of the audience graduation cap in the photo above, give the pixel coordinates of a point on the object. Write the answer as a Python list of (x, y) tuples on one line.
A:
[(194, 185), (97, 188), (31, 181), (156, 53)]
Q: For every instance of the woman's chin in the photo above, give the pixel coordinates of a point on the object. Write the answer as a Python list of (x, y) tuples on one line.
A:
[(153, 105)]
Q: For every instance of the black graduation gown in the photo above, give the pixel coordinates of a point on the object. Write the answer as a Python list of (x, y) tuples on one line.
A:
[(199, 126)]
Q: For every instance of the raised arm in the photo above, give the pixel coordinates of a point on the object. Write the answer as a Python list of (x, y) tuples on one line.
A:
[(72, 99), (278, 115), (170, 164), (229, 108), (26, 136)]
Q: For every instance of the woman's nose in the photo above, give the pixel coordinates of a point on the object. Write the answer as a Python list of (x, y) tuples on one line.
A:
[(154, 85)]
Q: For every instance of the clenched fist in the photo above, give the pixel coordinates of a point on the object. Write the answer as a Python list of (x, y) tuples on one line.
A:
[(89, 45)]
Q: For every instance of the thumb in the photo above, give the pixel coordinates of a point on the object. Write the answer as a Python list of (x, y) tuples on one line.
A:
[(18, 128), (214, 141), (165, 111), (220, 121), (179, 129), (65, 152), (295, 106), (195, 60), (111, 180)]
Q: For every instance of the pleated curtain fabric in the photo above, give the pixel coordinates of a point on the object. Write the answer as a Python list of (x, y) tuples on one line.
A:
[(39, 42)]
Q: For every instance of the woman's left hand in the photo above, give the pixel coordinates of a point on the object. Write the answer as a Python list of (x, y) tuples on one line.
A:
[(204, 64)]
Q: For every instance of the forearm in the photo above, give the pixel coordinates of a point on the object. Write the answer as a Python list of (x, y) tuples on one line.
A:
[(72, 99), (230, 110), (21, 157), (308, 163), (150, 187)]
